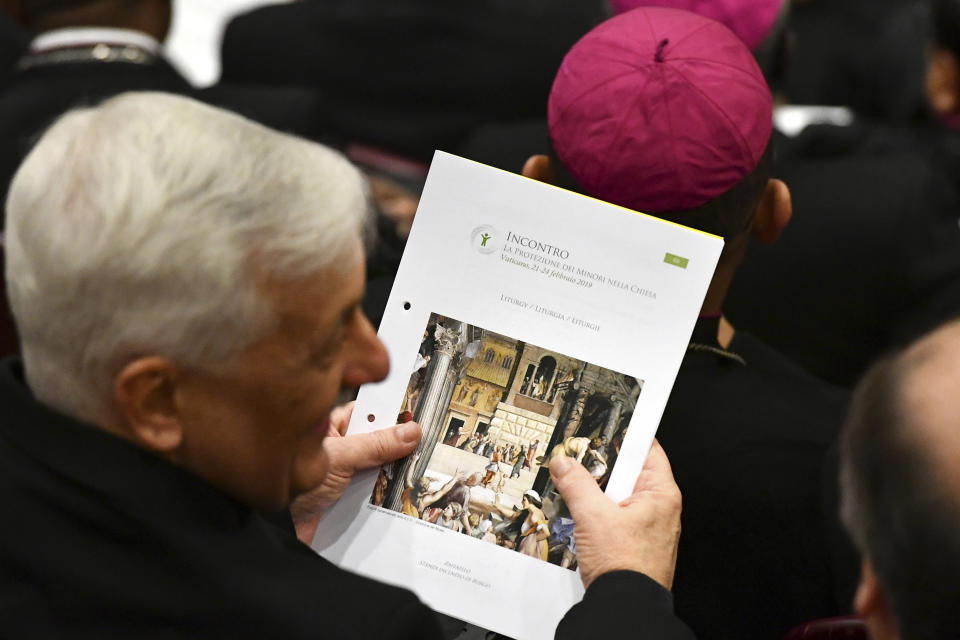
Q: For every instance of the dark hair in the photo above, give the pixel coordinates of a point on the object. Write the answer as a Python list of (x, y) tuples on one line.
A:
[(896, 506), (730, 213), (537, 503), (946, 25)]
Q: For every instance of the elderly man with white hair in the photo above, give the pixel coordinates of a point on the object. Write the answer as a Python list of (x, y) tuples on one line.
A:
[(187, 284)]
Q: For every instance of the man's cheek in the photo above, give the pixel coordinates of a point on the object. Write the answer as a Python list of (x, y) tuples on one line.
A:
[(311, 463)]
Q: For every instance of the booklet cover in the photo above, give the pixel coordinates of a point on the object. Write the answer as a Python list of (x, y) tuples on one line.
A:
[(525, 322)]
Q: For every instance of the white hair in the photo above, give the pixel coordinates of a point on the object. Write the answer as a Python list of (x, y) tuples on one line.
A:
[(132, 229)]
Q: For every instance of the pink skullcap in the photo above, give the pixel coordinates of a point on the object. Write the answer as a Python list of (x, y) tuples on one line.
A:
[(659, 110), (751, 20)]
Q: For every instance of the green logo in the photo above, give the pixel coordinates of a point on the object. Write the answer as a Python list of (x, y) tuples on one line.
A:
[(485, 239), (676, 261)]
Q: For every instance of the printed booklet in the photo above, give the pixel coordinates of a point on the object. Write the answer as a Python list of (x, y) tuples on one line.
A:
[(525, 322)]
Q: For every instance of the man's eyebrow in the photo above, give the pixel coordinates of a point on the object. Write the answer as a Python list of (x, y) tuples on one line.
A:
[(342, 319), (349, 310)]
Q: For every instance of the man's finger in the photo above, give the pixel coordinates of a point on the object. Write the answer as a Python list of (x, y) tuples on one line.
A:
[(368, 450), (577, 487), (340, 417), (657, 474), (657, 459)]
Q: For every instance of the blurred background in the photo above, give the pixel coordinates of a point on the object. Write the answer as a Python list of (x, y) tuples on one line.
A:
[(193, 45)]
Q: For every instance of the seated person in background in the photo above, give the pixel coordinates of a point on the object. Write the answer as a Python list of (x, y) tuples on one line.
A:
[(761, 24), (863, 54), (88, 50), (187, 287), (876, 237), (84, 51), (410, 76), (901, 490), (666, 112)]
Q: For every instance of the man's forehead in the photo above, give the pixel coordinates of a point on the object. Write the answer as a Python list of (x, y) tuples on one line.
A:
[(326, 295)]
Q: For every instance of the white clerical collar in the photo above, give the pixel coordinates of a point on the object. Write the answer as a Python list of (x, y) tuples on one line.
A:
[(86, 36)]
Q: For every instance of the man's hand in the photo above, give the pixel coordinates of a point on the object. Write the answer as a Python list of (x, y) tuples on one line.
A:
[(640, 534), (342, 457)]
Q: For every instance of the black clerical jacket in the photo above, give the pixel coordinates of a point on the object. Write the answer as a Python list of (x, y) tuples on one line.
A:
[(102, 539), (747, 431)]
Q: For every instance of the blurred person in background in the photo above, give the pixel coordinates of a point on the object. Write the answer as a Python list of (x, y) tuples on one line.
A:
[(407, 77), (867, 55), (746, 429), (88, 50), (761, 25), (872, 259), (901, 490)]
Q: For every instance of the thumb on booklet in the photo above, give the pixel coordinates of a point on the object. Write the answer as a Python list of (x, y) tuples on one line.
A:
[(577, 487)]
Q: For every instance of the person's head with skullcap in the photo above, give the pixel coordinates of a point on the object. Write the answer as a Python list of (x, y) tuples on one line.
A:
[(666, 112)]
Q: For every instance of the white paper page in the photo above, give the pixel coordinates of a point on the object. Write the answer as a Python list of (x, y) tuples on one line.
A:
[(548, 318)]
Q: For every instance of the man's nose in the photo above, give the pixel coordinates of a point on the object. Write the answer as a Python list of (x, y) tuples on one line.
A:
[(367, 358)]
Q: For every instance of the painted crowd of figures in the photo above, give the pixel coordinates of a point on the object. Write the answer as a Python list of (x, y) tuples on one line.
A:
[(524, 528), (520, 456)]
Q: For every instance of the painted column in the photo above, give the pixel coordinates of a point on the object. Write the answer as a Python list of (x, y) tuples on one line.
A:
[(613, 419), (553, 379), (430, 408), (433, 431)]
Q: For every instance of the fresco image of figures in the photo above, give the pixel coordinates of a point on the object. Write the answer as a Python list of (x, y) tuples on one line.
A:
[(494, 411)]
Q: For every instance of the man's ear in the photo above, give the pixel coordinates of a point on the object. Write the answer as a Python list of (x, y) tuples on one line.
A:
[(773, 212), (144, 395), (943, 82), (871, 604), (538, 167), (869, 597)]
